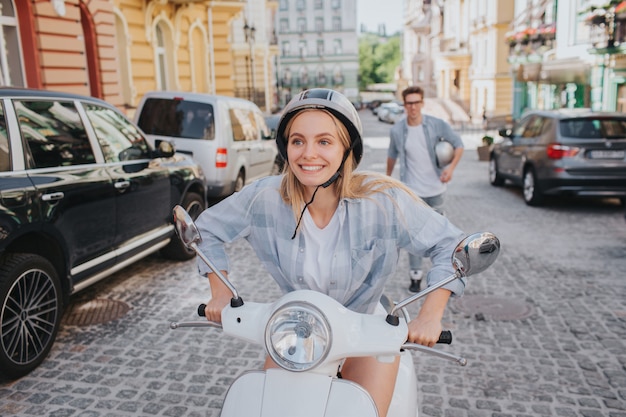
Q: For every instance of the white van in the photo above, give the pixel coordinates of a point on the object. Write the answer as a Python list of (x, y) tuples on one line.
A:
[(226, 136)]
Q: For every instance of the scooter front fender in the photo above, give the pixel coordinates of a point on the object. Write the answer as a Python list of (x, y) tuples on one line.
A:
[(277, 392)]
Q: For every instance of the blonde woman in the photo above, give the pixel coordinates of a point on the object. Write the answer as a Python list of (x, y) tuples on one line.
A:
[(323, 226)]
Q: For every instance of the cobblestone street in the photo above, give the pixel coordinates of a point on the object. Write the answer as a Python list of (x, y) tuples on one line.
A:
[(544, 329)]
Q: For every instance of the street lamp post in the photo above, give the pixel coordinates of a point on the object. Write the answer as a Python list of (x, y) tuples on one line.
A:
[(249, 31)]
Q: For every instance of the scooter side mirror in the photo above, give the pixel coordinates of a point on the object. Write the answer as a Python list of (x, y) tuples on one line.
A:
[(190, 236), (475, 253), (185, 227), (472, 255)]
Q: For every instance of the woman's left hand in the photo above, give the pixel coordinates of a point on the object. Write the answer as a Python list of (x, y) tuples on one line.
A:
[(425, 329)]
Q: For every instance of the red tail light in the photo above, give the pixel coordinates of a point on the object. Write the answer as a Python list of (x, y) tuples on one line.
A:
[(221, 158), (558, 151)]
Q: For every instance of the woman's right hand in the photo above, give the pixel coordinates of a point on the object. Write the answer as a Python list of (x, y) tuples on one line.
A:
[(220, 298)]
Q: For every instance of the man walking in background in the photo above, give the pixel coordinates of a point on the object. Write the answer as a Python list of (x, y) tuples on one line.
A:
[(413, 141)]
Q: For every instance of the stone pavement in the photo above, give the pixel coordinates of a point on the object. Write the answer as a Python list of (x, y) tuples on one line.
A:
[(543, 329)]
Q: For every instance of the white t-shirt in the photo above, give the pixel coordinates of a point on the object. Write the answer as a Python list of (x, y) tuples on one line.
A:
[(320, 249), (420, 173)]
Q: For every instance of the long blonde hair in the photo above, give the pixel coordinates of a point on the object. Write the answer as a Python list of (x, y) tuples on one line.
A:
[(350, 184)]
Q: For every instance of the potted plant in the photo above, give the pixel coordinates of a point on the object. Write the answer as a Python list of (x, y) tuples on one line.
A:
[(483, 151)]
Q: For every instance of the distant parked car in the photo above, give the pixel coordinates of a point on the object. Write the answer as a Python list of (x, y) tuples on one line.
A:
[(568, 152), (83, 195), (392, 114), (272, 124), (386, 108), (227, 136)]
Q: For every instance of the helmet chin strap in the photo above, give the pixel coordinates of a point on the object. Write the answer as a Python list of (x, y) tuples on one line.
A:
[(324, 185)]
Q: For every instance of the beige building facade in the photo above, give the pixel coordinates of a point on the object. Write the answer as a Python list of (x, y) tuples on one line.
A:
[(117, 50)]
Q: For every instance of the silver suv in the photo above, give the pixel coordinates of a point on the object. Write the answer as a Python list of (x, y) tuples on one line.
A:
[(227, 136), (575, 152)]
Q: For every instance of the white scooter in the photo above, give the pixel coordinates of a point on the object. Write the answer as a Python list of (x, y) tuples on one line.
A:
[(308, 335)]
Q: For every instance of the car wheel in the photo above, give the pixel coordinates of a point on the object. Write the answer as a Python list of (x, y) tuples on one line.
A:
[(30, 299), (240, 181), (531, 191), (193, 203), (494, 176)]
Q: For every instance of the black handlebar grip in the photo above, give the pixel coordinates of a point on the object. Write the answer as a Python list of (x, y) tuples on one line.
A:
[(201, 308), (445, 337)]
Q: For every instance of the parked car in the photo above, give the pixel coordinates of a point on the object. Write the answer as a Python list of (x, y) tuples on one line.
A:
[(385, 108), (392, 114), (272, 124), (82, 195), (227, 136), (572, 152)]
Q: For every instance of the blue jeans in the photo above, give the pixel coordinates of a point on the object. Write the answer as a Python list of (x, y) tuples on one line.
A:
[(436, 202)]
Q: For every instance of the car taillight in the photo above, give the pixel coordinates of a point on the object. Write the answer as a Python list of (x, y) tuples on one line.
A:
[(221, 158), (558, 151)]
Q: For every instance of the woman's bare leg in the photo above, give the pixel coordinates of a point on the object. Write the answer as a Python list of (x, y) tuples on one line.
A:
[(378, 378)]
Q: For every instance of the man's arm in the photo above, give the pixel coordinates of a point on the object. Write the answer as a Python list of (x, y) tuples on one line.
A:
[(390, 164)]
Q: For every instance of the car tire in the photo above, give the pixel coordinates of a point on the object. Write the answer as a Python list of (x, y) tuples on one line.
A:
[(30, 315), (240, 181), (193, 203), (530, 188), (495, 178)]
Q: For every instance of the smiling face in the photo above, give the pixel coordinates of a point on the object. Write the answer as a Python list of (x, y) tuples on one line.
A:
[(314, 148)]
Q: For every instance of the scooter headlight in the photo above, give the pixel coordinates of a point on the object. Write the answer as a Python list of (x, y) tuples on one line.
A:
[(298, 337)]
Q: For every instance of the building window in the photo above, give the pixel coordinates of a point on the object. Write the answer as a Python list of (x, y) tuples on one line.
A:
[(335, 4), (337, 47), (283, 5), (284, 25), (161, 59), (286, 49), (319, 4), (302, 49), (336, 23), (11, 72), (300, 5), (319, 24), (301, 25), (320, 47)]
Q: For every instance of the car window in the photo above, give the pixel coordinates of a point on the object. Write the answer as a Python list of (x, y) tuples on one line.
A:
[(533, 128), (5, 151), (518, 130), (177, 118), (53, 133), (260, 121), (593, 128), (243, 123), (119, 139)]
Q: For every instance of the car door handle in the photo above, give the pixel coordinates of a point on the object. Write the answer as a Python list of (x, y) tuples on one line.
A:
[(53, 196), (122, 185)]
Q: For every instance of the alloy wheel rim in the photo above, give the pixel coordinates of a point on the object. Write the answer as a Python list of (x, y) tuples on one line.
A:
[(28, 317), (529, 186)]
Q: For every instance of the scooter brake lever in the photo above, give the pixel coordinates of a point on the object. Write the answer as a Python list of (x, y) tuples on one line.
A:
[(414, 346)]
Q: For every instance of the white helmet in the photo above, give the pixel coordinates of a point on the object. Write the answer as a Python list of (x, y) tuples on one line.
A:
[(444, 151)]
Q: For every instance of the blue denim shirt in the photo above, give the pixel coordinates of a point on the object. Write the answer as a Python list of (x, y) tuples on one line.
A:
[(372, 232), (434, 128)]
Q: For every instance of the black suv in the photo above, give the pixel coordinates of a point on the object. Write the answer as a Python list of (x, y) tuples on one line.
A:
[(82, 195)]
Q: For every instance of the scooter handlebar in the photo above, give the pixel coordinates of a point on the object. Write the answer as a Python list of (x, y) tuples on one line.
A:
[(445, 337)]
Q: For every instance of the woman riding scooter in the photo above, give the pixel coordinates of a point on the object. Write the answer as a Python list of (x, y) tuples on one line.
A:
[(323, 226)]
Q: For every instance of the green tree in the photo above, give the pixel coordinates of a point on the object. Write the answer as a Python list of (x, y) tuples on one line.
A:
[(378, 59)]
